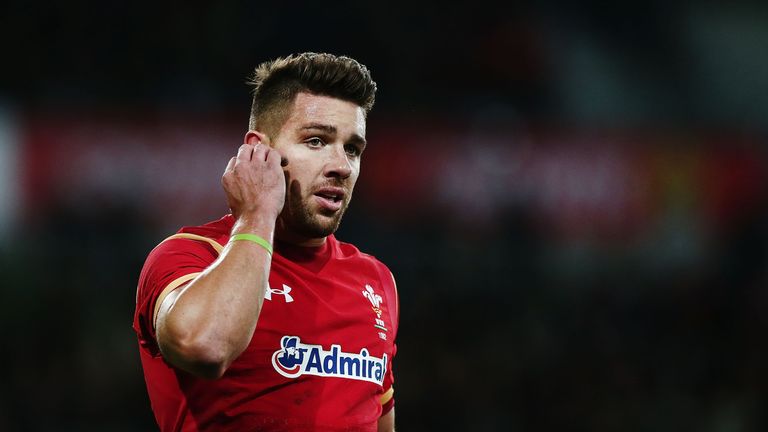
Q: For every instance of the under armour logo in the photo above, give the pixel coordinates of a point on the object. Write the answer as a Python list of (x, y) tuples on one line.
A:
[(283, 292)]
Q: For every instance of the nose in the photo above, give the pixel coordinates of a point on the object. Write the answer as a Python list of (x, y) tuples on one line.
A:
[(338, 164)]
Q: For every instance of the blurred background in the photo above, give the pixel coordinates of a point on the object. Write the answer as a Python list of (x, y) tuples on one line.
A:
[(571, 196)]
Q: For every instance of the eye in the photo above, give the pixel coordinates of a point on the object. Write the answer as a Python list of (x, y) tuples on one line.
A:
[(315, 142), (352, 150)]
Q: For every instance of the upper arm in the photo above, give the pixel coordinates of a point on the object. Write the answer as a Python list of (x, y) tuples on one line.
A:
[(164, 302), (170, 266), (169, 294), (387, 422)]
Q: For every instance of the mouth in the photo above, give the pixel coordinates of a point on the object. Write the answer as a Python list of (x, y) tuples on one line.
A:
[(330, 198)]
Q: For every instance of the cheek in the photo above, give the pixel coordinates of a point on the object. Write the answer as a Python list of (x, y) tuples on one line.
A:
[(293, 191), (297, 182), (353, 177), (299, 166)]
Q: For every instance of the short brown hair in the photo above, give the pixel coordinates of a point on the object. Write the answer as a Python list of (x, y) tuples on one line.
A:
[(275, 85)]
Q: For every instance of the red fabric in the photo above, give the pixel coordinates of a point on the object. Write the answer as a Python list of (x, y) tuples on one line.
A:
[(330, 318)]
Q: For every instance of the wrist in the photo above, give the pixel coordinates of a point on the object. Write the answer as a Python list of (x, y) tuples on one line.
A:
[(253, 238), (255, 224)]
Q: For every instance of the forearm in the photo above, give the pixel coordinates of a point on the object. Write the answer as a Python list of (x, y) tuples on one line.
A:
[(209, 322)]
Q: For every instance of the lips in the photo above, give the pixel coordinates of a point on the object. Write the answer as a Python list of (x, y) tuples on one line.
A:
[(330, 198)]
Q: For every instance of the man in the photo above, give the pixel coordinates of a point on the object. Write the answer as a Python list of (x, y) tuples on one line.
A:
[(237, 337)]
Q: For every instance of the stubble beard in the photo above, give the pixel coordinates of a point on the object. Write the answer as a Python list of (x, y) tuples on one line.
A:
[(300, 219)]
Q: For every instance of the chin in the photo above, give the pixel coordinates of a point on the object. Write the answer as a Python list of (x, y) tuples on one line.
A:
[(327, 226), (312, 222), (316, 227)]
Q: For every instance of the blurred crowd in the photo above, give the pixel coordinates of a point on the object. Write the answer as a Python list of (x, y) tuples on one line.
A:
[(573, 200)]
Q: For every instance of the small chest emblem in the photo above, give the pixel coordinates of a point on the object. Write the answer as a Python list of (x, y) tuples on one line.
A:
[(376, 301), (374, 298), (283, 292)]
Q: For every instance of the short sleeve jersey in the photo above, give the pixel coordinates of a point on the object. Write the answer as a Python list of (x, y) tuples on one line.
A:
[(320, 357)]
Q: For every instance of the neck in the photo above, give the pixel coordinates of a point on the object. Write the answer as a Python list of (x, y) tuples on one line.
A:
[(291, 238)]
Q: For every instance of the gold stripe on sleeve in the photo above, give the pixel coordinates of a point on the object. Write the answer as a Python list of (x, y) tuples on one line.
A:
[(168, 289), (216, 246), (387, 396)]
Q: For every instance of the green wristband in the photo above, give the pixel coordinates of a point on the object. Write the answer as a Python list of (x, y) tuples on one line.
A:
[(253, 238)]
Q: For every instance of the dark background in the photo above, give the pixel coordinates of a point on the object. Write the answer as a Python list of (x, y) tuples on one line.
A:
[(571, 196)]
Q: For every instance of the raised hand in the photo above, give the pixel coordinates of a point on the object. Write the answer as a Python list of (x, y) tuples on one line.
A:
[(254, 182)]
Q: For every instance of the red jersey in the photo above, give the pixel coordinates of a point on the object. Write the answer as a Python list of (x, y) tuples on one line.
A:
[(320, 357)]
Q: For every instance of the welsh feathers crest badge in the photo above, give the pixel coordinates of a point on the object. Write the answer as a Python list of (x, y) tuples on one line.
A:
[(376, 301), (374, 298)]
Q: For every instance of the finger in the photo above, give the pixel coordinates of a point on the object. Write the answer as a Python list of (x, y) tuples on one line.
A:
[(260, 152), (245, 152), (274, 156), (264, 154), (230, 164)]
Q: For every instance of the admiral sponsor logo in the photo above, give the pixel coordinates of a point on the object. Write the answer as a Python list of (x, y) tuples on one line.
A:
[(295, 359)]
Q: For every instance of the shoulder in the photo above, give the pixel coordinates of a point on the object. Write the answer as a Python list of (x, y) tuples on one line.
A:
[(348, 251), (198, 244), (218, 230), (386, 279), (370, 266)]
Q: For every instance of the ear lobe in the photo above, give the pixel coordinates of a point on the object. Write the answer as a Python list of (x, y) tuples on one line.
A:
[(255, 137)]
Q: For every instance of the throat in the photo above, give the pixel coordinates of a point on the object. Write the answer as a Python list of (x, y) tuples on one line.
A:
[(286, 236)]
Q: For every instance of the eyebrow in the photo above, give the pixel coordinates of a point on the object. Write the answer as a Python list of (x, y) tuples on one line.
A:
[(332, 130)]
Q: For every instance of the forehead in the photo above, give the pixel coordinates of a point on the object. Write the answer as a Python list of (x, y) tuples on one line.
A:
[(347, 117)]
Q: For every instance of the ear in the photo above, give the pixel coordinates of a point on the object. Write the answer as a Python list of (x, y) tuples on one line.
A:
[(255, 137)]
